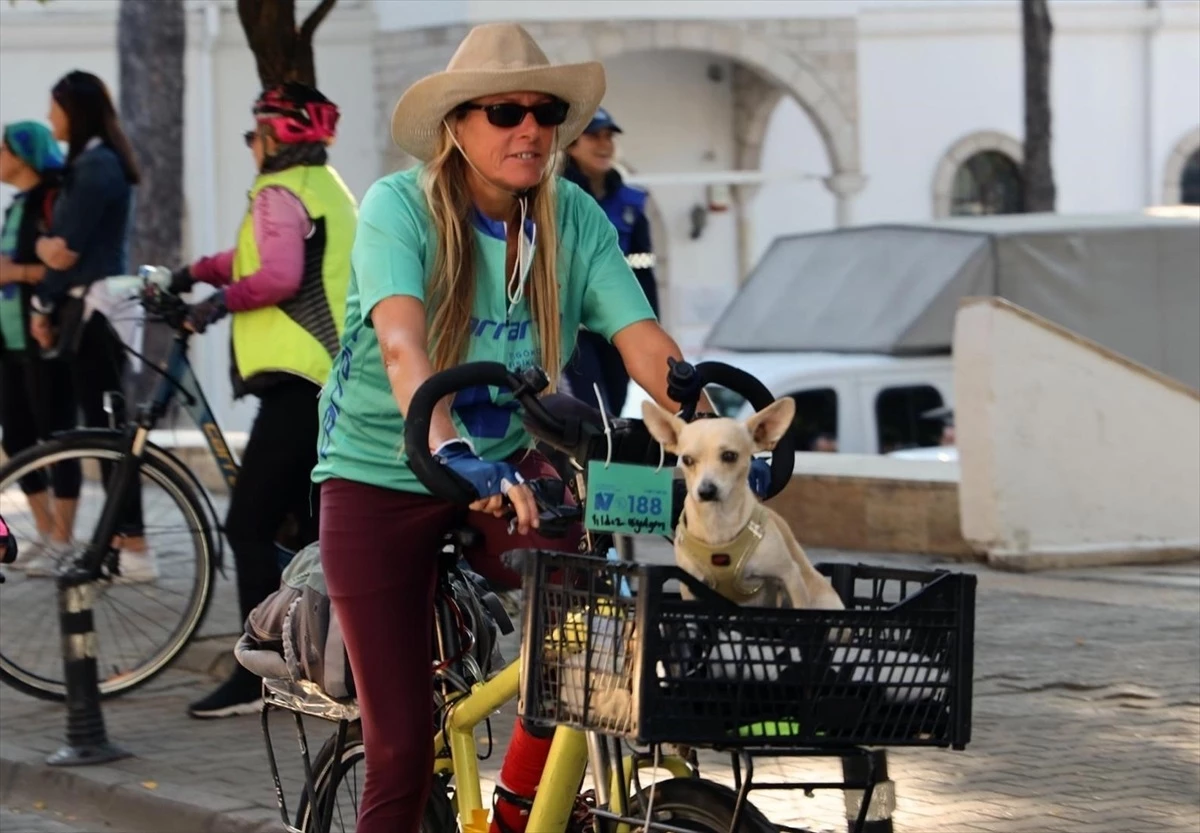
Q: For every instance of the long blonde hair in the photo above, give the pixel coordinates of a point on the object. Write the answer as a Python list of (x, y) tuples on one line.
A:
[(452, 288)]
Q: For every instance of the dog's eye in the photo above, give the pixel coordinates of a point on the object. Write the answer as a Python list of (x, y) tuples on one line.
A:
[(729, 456), (687, 460)]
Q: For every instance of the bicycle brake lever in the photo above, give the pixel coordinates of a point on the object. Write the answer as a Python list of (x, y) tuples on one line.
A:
[(554, 518)]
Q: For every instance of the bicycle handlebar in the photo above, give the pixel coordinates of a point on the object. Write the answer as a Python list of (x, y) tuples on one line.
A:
[(685, 380), (438, 479), (150, 287)]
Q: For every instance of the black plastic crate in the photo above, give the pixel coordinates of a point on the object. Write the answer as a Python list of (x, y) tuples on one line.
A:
[(610, 647)]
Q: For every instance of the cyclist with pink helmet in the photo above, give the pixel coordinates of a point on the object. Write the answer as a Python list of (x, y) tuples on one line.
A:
[(284, 288)]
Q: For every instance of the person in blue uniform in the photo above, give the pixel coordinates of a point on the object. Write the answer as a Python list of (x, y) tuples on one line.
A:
[(589, 165)]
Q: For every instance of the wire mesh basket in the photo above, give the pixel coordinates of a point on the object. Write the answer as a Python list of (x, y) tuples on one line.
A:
[(615, 648)]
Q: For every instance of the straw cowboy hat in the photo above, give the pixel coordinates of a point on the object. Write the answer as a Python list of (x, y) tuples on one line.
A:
[(492, 59)]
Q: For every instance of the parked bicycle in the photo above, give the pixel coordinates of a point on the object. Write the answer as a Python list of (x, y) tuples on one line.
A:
[(141, 626), (612, 654)]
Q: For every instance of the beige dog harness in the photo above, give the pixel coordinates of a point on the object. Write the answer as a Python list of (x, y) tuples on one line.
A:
[(722, 565)]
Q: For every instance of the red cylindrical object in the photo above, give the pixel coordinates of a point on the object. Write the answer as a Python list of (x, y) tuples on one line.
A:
[(520, 775)]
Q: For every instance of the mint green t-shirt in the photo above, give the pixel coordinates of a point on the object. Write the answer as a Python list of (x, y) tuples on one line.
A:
[(361, 435)]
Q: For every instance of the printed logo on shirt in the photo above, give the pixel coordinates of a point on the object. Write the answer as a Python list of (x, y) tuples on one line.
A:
[(509, 342), (483, 418), (338, 379), (499, 330)]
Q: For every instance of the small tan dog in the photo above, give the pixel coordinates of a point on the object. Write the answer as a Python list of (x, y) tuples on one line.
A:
[(726, 537)]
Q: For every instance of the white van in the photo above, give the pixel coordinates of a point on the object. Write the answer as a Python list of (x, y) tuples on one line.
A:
[(857, 323), (869, 403)]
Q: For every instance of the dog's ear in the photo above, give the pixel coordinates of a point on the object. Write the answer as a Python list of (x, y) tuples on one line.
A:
[(768, 426), (663, 425)]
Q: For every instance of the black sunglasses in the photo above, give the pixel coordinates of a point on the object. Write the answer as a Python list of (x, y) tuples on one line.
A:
[(509, 114), (249, 136)]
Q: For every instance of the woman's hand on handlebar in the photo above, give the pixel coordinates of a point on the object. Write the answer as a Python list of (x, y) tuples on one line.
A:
[(492, 481), (520, 499), (647, 352)]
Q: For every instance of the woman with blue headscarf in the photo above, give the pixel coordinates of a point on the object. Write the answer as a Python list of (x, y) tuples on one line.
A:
[(36, 394)]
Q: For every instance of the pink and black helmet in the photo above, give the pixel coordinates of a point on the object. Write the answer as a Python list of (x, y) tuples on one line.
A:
[(297, 113)]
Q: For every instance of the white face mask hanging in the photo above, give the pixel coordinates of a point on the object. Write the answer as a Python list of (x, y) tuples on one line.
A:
[(515, 288)]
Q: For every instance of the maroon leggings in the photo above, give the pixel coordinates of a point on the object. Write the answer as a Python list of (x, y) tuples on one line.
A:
[(379, 553)]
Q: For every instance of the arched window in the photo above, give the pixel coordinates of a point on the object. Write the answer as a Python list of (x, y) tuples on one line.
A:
[(979, 174), (1181, 174), (989, 182), (1189, 180)]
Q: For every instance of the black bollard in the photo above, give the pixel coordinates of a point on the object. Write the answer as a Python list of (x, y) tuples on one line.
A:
[(870, 768), (87, 740)]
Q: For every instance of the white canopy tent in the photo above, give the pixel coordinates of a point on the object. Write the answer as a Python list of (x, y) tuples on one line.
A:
[(1128, 282)]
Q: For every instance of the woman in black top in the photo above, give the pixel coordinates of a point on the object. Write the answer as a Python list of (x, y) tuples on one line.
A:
[(88, 241), (36, 396)]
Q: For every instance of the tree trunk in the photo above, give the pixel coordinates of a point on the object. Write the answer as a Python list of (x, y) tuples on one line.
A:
[(151, 38), (282, 52), (1038, 171)]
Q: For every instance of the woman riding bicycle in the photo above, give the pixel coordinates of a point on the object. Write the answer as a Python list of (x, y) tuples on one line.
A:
[(285, 286), (479, 253)]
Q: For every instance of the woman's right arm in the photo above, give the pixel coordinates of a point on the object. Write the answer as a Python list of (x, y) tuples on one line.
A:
[(388, 262), (399, 323)]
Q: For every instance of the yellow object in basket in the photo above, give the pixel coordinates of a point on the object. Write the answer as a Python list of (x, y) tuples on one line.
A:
[(573, 633)]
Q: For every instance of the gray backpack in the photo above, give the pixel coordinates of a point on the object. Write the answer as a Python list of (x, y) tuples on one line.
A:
[(293, 634)]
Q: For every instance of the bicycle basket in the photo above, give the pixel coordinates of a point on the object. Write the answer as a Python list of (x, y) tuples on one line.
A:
[(615, 648)]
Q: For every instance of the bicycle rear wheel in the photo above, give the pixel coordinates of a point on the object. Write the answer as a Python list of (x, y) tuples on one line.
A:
[(337, 785), (700, 806), (141, 626)]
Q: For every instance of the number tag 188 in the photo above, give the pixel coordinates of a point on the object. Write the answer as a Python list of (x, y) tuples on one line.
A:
[(627, 499)]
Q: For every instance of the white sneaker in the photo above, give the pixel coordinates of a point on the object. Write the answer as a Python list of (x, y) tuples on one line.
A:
[(28, 552), (138, 567), (47, 559)]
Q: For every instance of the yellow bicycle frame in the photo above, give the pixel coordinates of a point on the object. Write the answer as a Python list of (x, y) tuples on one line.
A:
[(565, 767)]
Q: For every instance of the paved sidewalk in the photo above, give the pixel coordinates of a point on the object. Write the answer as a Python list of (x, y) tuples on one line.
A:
[(1086, 718), (34, 821)]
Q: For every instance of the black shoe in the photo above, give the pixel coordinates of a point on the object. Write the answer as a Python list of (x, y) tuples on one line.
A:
[(240, 694)]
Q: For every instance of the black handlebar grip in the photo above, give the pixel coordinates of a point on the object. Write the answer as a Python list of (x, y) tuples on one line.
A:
[(683, 386)]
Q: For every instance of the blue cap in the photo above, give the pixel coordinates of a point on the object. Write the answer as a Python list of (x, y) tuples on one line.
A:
[(602, 121)]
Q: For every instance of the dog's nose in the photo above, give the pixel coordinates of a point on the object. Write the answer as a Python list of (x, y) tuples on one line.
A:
[(707, 491)]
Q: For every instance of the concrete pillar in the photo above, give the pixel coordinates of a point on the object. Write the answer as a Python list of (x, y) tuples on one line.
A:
[(845, 186)]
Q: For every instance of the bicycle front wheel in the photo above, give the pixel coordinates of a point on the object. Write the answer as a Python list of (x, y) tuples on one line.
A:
[(143, 619)]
